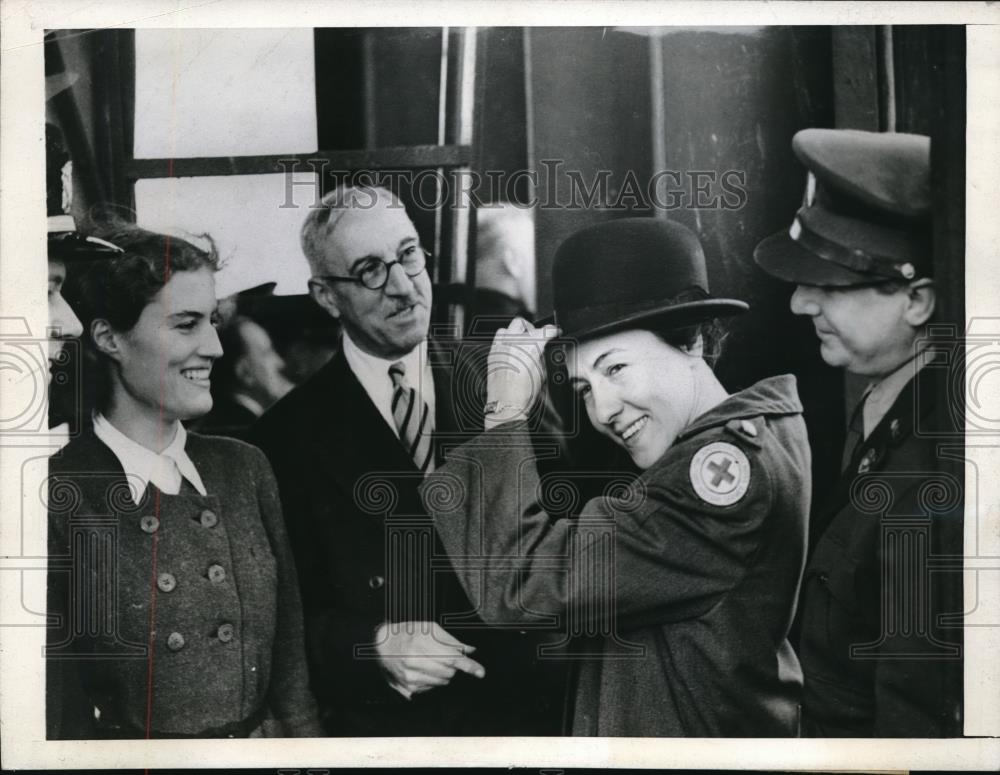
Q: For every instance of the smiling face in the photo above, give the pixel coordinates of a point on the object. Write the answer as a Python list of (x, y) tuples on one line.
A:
[(164, 361), (62, 320), (638, 390), (389, 322), (862, 329)]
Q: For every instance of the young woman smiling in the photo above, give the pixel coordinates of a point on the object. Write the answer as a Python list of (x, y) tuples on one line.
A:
[(170, 574), (690, 578)]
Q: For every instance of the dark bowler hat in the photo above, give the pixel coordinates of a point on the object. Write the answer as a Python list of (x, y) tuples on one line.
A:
[(865, 217), (628, 272)]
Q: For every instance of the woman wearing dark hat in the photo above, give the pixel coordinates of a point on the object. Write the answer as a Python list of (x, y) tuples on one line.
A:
[(709, 542), (171, 584)]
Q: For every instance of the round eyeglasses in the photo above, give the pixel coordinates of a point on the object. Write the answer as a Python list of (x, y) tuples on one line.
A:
[(374, 272)]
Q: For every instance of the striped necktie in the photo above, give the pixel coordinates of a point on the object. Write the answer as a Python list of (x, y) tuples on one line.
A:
[(412, 417)]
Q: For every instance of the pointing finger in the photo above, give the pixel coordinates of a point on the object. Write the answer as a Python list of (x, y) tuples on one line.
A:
[(470, 666)]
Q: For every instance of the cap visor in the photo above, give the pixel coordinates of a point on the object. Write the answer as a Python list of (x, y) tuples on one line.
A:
[(782, 257)]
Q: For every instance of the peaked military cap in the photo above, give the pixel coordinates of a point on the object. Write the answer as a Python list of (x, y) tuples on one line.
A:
[(865, 216), (65, 243)]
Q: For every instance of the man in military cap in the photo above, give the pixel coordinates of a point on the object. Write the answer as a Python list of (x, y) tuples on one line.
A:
[(66, 246), (876, 653)]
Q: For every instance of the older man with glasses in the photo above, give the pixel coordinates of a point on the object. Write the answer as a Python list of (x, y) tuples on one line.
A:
[(384, 658)]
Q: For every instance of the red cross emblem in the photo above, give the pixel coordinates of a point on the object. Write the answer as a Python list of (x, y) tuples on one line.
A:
[(720, 473)]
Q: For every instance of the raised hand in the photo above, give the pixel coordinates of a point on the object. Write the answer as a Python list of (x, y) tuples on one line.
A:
[(515, 371)]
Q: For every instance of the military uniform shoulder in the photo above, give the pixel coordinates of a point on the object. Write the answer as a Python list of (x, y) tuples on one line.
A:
[(717, 464), (747, 430)]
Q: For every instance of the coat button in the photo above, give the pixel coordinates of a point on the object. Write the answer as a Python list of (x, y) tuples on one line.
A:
[(216, 574), (226, 632), (376, 582), (895, 430), (175, 641), (748, 428), (166, 582), (209, 518), (149, 524)]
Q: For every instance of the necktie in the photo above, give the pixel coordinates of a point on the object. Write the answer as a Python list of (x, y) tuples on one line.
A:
[(412, 417), (855, 432)]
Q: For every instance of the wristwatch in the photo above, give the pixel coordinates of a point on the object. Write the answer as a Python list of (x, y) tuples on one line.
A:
[(498, 407)]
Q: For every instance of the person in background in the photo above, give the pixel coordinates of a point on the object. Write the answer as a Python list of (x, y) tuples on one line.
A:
[(246, 380), (505, 268), (66, 247), (878, 656), (171, 584), (690, 573), (394, 649)]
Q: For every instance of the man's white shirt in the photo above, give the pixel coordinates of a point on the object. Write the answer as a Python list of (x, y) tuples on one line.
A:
[(373, 374)]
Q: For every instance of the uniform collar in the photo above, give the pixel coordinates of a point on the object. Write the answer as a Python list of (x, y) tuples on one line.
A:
[(880, 396), (771, 396), (142, 465)]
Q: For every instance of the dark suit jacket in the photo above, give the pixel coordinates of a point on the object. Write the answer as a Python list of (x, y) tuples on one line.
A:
[(357, 525), (878, 658)]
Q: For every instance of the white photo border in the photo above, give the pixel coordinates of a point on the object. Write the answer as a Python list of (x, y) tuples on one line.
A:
[(22, 199)]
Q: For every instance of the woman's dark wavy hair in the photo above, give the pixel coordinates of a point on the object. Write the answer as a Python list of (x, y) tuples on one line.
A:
[(118, 289), (713, 332)]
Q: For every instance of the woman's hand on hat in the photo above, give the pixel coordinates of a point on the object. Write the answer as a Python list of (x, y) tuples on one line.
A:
[(515, 374)]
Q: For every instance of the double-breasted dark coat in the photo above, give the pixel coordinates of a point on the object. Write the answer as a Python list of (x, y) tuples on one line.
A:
[(881, 629), (362, 540), (176, 616), (688, 578)]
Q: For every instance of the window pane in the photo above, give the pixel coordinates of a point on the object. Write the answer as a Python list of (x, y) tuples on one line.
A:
[(224, 92), (257, 237)]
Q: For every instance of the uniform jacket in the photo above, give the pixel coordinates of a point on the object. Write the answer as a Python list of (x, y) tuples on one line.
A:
[(878, 658), (692, 599), (180, 615), (346, 482)]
